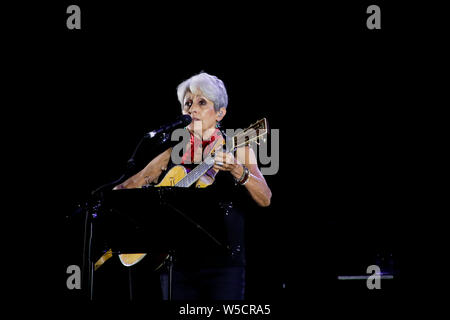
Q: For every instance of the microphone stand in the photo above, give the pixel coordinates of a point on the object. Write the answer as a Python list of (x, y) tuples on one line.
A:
[(93, 210)]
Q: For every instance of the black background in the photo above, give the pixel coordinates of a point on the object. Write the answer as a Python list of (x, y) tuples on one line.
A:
[(334, 89)]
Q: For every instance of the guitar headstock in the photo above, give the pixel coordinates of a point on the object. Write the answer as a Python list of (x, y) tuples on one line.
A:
[(253, 133)]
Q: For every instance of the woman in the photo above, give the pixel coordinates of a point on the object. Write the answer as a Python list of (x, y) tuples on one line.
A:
[(217, 276)]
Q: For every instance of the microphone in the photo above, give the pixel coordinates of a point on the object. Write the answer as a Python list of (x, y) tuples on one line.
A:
[(181, 121)]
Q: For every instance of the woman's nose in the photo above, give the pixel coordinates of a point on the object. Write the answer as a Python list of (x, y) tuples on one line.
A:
[(193, 109)]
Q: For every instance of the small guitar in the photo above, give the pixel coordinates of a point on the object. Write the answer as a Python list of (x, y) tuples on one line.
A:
[(178, 176)]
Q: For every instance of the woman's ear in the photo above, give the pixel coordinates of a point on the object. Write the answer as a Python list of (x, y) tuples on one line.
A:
[(221, 113)]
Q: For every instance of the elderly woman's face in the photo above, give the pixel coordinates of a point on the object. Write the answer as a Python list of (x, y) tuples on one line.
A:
[(201, 110)]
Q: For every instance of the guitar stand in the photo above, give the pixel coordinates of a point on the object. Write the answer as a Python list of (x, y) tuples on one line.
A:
[(161, 196), (91, 213), (169, 263)]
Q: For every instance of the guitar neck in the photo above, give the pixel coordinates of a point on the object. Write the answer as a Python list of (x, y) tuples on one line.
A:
[(196, 173)]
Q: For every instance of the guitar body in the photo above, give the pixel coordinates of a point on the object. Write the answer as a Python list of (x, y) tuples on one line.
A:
[(130, 259), (172, 177)]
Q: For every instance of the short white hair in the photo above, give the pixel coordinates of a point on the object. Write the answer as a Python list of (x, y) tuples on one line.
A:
[(211, 87)]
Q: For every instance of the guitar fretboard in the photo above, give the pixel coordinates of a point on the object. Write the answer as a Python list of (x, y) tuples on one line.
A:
[(196, 173)]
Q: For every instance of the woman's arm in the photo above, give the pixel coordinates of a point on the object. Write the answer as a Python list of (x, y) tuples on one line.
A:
[(150, 173), (256, 184)]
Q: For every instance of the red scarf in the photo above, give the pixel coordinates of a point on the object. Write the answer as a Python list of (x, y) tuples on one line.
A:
[(195, 145)]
